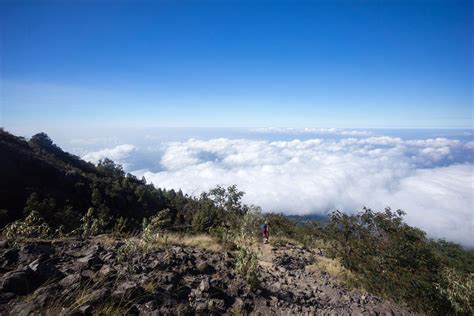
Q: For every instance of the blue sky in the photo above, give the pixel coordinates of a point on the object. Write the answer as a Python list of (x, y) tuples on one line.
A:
[(65, 64)]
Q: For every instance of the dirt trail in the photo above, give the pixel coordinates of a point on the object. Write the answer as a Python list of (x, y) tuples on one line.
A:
[(265, 256)]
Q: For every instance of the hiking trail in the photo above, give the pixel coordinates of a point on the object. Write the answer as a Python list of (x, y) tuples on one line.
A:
[(292, 285)]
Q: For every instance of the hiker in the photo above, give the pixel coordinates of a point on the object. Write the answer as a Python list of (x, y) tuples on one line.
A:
[(265, 232)]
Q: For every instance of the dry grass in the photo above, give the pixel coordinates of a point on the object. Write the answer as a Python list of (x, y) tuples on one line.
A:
[(65, 304), (106, 240), (334, 268), (201, 241), (150, 242), (83, 294), (109, 309), (283, 240), (149, 287), (321, 244)]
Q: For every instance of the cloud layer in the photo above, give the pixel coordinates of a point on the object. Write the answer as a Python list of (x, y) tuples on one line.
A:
[(311, 130), (119, 154), (424, 177)]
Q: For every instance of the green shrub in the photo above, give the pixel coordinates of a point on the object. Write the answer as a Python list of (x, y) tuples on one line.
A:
[(120, 225), (458, 289), (389, 257), (305, 233), (205, 217), (454, 256), (33, 226), (238, 228), (160, 221), (91, 225), (247, 266), (151, 236)]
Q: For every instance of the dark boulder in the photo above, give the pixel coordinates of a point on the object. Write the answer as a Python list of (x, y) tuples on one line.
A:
[(18, 282), (31, 252), (6, 297), (44, 271), (91, 260), (182, 293), (38, 249), (204, 268), (168, 278), (10, 257), (216, 305)]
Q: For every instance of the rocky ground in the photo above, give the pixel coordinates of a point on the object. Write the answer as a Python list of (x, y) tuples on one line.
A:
[(294, 288), (84, 277)]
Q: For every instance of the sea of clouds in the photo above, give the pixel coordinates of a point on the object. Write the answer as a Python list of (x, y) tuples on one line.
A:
[(306, 171)]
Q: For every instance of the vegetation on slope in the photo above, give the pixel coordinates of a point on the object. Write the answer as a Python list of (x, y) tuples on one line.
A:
[(37, 175), (49, 193)]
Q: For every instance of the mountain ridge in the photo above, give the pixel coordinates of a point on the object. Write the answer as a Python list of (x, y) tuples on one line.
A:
[(54, 208)]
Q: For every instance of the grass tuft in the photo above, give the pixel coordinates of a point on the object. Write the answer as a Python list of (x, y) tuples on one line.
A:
[(201, 241), (149, 287), (334, 268), (284, 240), (152, 241)]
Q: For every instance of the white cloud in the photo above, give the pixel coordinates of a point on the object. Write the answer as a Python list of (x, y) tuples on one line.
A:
[(118, 154), (435, 153), (310, 130), (438, 200), (469, 145), (320, 175), (392, 141)]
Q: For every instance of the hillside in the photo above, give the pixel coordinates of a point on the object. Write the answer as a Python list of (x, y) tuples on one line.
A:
[(84, 239), (90, 277), (37, 174)]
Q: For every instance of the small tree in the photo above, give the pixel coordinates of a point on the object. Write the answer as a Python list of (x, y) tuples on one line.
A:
[(205, 217), (109, 167), (229, 199)]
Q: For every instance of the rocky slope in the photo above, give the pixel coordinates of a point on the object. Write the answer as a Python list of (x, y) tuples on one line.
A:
[(83, 277), (294, 288)]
